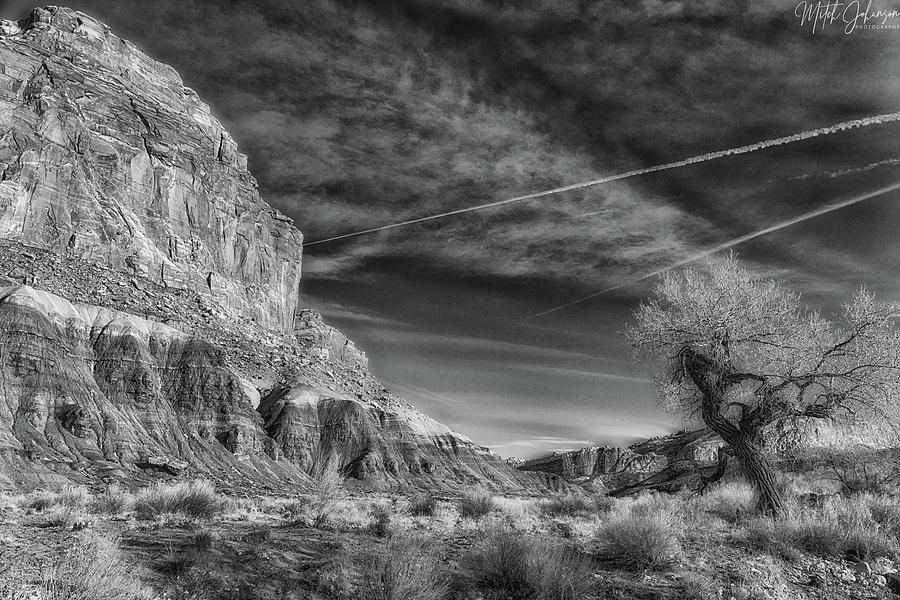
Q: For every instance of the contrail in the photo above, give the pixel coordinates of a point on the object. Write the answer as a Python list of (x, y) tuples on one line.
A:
[(849, 171), (797, 137), (725, 245)]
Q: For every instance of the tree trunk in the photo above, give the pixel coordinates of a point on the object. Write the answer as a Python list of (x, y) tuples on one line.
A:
[(759, 471)]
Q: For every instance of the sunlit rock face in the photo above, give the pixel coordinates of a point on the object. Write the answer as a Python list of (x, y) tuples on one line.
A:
[(107, 155), (391, 442)]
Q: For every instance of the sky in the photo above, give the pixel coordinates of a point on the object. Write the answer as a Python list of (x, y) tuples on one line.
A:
[(361, 114)]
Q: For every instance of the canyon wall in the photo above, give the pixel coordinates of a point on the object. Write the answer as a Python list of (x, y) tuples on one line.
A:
[(107, 155)]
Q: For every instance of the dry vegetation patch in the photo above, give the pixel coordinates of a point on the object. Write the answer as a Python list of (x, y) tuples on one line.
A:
[(193, 499)]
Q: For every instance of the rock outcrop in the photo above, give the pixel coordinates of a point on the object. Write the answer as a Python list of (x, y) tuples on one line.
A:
[(105, 154), (149, 319), (616, 467), (90, 391)]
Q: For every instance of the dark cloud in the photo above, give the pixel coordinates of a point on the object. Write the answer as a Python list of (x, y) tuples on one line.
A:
[(362, 114)]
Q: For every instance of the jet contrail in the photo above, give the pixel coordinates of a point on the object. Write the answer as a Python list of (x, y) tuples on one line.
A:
[(797, 137), (725, 245)]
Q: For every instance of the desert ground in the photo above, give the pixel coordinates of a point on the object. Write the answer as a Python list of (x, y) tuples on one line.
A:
[(184, 539)]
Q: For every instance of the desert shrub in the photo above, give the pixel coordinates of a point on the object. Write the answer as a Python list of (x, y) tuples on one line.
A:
[(381, 520), (729, 501), (69, 496), (114, 501), (69, 517), (404, 569), (862, 469), (194, 499), (499, 563), (557, 572), (885, 510), (177, 562), (763, 534), (477, 505), (841, 527), (423, 506), (327, 488), (696, 587), (94, 569), (333, 579), (292, 509), (568, 506), (640, 539), (508, 564), (203, 540)]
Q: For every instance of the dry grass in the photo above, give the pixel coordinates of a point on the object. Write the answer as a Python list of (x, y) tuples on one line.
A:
[(477, 505), (859, 527), (193, 500), (67, 497), (94, 569), (68, 517), (423, 506), (644, 537), (508, 564), (558, 572), (328, 488), (114, 501), (404, 568), (569, 506), (730, 501), (499, 564), (381, 520)]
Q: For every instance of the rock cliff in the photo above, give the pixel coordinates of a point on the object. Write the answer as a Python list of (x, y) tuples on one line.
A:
[(149, 318), (107, 155), (616, 467)]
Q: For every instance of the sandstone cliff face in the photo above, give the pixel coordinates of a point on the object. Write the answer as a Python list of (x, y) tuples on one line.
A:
[(106, 155), (596, 461)]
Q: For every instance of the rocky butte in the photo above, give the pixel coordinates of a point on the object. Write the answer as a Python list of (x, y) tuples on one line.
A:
[(149, 312)]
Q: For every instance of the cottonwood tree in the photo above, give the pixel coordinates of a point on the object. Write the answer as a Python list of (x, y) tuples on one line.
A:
[(748, 358)]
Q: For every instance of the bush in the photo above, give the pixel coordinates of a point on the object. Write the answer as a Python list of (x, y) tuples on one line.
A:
[(640, 539), (93, 570), (195, 499), (557, 572), (499, 563), (69, 496), (114, 501), (508, 564), (423, 506), (404, 569), (841, 527), (204, 540), (328, 488), (886, 512), (381, 521), (476, 506), (69, 517), (730, 501), (697, 587), (568, 506)]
